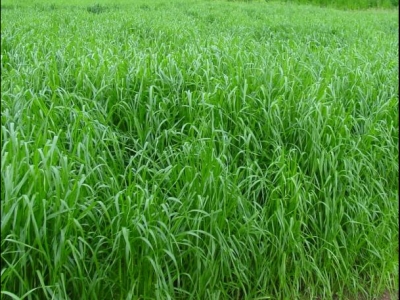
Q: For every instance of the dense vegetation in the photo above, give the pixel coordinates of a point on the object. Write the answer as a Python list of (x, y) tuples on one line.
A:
[(347, 4), (198, 150)]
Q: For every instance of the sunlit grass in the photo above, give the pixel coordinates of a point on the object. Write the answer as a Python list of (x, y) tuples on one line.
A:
[(202, 150)]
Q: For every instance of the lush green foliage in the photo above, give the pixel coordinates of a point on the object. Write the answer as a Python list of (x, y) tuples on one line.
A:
[(342, 4), (350, 4), (198, 150)]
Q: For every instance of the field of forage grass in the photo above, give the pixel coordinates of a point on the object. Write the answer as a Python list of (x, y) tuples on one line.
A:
[(198, 150)]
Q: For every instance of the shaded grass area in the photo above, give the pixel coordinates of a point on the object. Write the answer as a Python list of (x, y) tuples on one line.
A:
[(204, 150), (351, 4), (344, 4)]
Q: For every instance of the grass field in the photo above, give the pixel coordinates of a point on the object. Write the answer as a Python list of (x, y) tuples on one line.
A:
[(198, 150)]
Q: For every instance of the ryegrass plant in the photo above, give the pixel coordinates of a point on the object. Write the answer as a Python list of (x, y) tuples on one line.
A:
[(351, 4), (198, 150)]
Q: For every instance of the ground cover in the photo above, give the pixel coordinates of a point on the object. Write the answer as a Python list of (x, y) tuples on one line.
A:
[(198, 150)]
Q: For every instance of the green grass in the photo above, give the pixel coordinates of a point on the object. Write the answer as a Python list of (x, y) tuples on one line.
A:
[(198, 150), (348, 4)]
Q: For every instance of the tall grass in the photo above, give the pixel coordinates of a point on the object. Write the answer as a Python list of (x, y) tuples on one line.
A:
[(198, 150), (340, 4), (351, 4)]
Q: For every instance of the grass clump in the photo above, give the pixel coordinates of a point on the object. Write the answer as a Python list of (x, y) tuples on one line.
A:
[(199, 150), (96, 9)]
